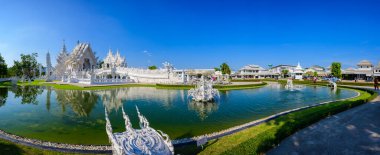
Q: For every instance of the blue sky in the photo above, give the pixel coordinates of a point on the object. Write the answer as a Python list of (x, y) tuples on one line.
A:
[(197, 34)]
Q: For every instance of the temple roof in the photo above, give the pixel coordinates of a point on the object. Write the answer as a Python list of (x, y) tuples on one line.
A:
[(114, 59), (79, 52)]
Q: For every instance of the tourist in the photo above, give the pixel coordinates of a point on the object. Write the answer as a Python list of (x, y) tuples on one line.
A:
[(376, 84)]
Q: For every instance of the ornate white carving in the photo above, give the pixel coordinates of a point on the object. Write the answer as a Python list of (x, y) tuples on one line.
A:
[(138, 141), (203, 91)]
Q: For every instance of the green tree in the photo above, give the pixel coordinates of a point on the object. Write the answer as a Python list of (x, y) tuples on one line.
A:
[(216, 69), (152, 67), (315, 74), (225, 68), (335, 69), (309, 73), (15, 70), (27, 67), (284, 72), (3, 67)]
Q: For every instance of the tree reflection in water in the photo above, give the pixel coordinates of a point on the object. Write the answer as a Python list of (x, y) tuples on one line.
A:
[(204, 109), (3, 96), (28, 94), (81, 102)]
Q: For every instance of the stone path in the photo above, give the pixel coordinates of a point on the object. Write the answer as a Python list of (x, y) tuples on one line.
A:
[(356, 131)]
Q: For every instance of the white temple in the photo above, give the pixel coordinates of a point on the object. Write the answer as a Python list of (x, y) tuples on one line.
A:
[(80, 66), (146, 140)]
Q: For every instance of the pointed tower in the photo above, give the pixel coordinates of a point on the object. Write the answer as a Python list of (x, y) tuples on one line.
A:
[(60, 67), (48, 67)]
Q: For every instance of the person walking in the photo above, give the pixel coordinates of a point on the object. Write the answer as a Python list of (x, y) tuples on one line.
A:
[(376, 84)]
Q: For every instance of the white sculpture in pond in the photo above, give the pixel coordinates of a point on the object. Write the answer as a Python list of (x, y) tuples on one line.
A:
[(203, 91), (332, 83), (289, 84), (146, 141)]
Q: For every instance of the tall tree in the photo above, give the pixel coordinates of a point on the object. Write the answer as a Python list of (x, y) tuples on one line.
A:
[(3, 67), (225, 68), (335, 69)]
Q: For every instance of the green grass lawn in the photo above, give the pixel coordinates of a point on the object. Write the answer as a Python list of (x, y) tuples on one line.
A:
[(159, 86), (73, 87), (261, 138)]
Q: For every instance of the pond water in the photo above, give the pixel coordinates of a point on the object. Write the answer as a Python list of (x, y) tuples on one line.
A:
[(77, 117)]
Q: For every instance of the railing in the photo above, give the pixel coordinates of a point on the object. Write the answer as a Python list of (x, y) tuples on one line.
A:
[(111, 81), (137, 72)]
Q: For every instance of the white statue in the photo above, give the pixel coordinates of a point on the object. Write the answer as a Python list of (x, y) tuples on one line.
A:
[(203, 91), (289, 84), (332, 84)]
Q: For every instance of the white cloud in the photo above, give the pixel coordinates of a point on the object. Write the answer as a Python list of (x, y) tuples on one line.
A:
[(149, 54)]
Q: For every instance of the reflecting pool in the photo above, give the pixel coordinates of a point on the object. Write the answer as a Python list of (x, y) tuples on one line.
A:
[(77, 117)]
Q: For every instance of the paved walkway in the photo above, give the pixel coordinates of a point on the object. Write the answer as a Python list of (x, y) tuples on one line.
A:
[(356, 131)]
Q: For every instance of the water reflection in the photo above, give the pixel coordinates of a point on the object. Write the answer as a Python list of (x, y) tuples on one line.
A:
[(3, 96), (81, 102), (28, 94), (203, 109), (113, 99)]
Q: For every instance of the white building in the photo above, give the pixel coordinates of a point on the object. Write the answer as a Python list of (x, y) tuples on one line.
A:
[(114, 60), (297, 73), (376, 71), (364, 71), (321, 71), (278, 70), (253, 72)]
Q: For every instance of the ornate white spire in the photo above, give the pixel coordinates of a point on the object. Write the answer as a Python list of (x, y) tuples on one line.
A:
[(49, 69), (299, 66), (109, 52), (64, 50)]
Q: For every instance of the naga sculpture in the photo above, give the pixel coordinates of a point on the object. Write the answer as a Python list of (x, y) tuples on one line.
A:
[(144, 141)]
